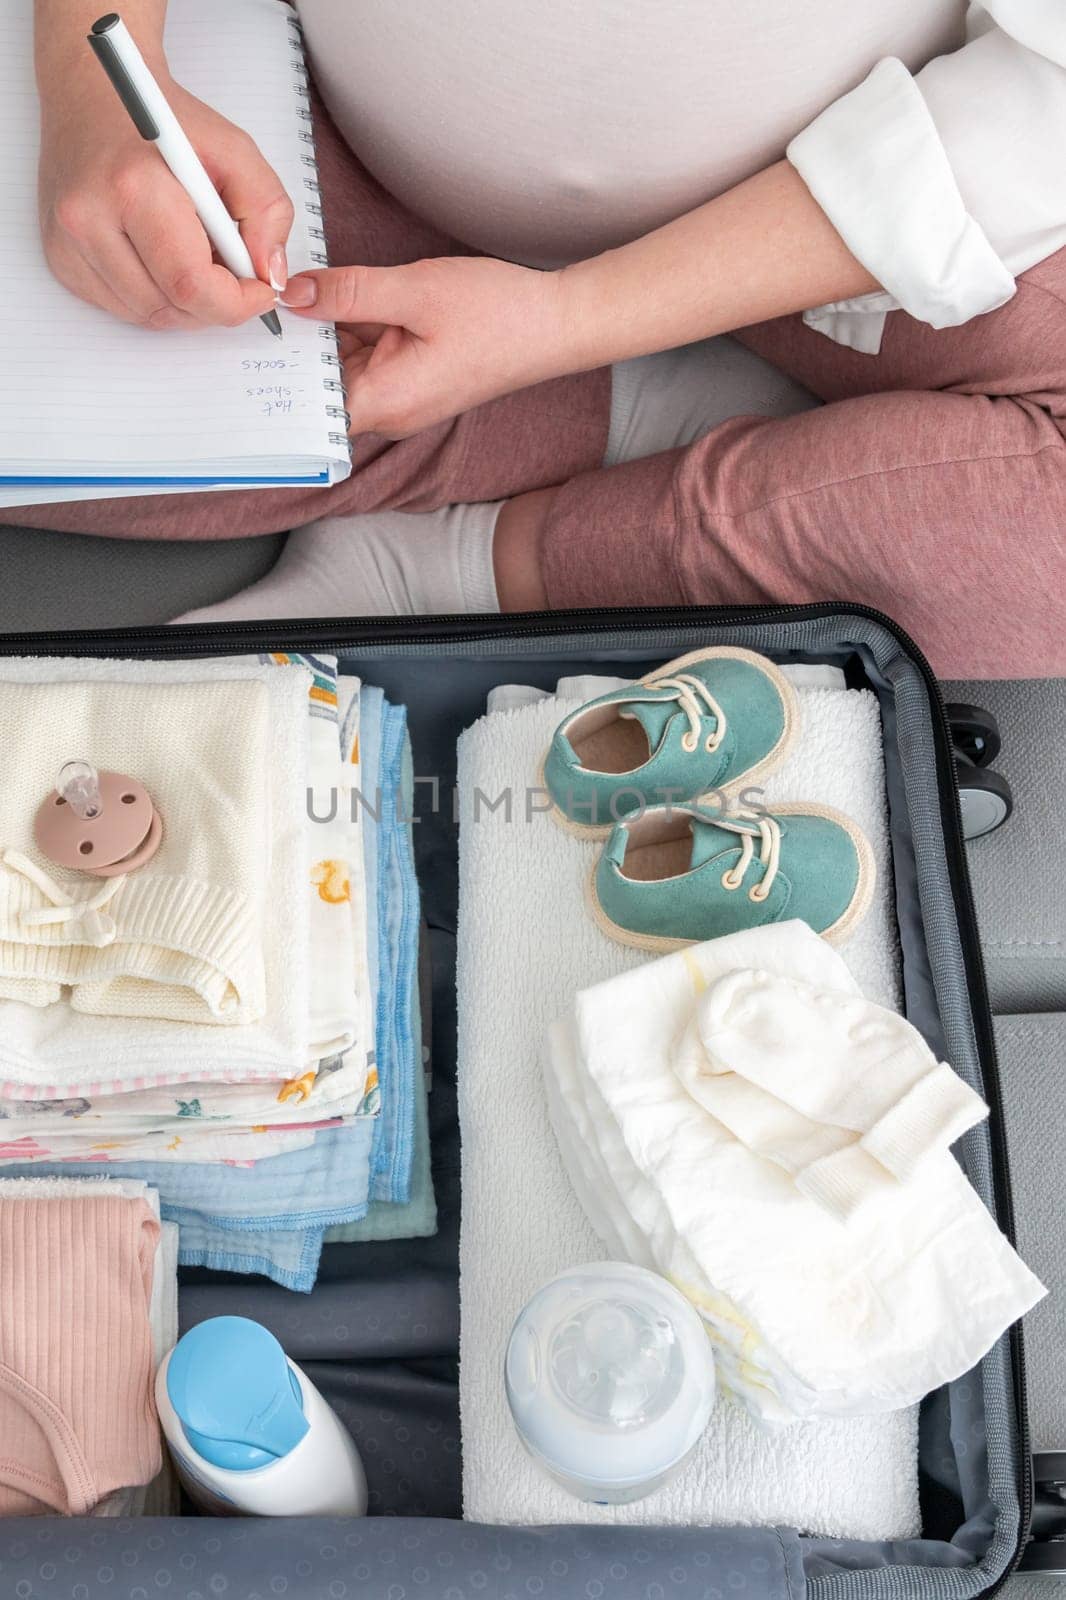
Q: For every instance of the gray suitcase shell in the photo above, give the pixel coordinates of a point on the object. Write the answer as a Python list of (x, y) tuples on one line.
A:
[(379, 1334)]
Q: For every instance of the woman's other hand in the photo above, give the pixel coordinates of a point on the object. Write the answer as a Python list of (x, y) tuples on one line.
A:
[(120, 231), (424, 342)]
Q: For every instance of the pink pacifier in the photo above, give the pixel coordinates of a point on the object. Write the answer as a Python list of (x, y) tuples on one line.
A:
[(103, 823)]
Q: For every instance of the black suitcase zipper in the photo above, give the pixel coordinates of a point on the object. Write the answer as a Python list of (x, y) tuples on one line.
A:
[(350, 633)]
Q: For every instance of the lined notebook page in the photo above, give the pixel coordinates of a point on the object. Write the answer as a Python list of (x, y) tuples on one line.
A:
[(87, 395)]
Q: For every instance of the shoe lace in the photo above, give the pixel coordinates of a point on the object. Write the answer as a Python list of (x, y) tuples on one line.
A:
[(769, 852), (696, 700)]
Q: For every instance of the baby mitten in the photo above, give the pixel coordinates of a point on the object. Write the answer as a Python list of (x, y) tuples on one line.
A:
[(842, 1092)]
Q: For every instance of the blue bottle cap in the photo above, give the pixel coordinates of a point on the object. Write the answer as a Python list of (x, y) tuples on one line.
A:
[(235, 1394)]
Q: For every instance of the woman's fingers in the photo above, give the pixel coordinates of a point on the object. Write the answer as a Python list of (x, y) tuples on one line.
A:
[(155, 259), (120, 231), (116, 264), (380, 382), (256, 199), (359, 295), (81, 278), (176, 255), (349, 342)]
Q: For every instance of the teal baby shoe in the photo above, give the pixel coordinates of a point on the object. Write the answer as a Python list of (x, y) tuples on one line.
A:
[(714, 719), (677, 875)]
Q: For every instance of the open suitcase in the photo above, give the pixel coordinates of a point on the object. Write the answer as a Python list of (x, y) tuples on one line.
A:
[(379, 1334)]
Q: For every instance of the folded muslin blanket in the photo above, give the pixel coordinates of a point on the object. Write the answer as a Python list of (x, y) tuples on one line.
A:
[(54, 1051), (76, 1124), (811, 1311), (525, 942), (393, 923), (417, 1217), (43, 1149), (339, 1001), (268, 1217)]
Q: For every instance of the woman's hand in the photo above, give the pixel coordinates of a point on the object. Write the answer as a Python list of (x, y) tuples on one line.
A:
[(118, 228), (427, 341), (424, 342)]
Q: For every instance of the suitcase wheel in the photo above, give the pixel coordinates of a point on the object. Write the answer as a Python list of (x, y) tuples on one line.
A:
[(974, 733)]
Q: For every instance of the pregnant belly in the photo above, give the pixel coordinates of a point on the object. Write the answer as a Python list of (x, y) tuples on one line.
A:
[(544, 131)]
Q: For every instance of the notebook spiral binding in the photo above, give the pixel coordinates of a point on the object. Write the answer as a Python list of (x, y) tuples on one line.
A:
[(333, 383)]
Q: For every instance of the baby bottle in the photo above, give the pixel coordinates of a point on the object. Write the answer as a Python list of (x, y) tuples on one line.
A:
[(610, 1380)]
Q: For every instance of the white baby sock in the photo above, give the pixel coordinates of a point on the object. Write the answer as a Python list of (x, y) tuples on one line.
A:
[(398, 563)]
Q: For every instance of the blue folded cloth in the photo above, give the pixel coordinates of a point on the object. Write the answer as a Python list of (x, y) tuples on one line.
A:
[(398, 929), (287, 1258), (417, 1218), (266, 1218)]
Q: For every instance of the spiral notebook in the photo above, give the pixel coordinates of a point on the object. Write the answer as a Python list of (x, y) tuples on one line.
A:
[(92, 407)]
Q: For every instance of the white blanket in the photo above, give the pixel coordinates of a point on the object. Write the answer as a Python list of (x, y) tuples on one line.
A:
[(526, 944)]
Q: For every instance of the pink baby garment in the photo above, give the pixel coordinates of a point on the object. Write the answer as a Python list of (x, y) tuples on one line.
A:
[(77, 1418)]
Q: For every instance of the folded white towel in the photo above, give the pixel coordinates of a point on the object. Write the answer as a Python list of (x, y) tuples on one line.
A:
[(526, 942), (590, 685), (843, 1317), (53, 1051)]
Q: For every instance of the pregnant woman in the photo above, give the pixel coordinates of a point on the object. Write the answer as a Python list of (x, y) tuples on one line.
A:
[(537, 199)]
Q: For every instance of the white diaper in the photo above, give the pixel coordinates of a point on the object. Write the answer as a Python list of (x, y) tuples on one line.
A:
[(810, 1314)]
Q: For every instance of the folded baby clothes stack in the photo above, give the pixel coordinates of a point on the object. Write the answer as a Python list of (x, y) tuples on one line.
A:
[(258, 1134), (77, 1358), (205, 1098), (738, 1117), (526, 941)]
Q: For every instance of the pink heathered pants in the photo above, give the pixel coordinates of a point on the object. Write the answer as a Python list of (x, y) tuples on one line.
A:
[(932, 486)]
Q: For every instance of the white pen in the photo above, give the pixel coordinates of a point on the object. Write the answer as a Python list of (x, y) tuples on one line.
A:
[(153, 119)]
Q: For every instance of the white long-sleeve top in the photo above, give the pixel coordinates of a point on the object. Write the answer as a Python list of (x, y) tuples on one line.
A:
[(949, 183), (931, 132)]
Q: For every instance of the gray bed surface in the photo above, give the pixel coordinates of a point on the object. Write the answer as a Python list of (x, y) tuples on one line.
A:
[(67, 580), (1032, 1059)]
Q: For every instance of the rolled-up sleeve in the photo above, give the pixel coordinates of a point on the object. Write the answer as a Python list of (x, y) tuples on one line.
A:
[(947, 184)]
